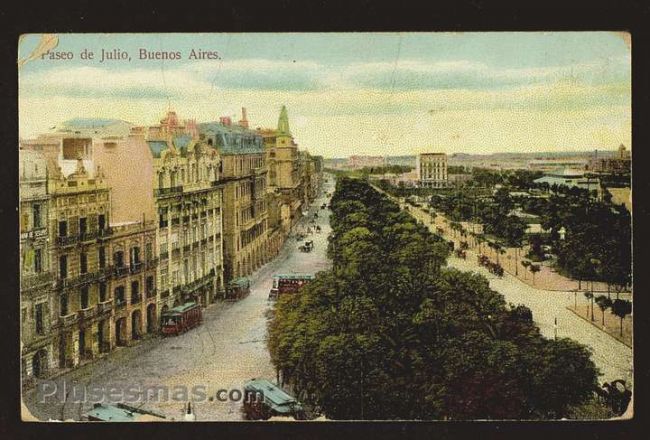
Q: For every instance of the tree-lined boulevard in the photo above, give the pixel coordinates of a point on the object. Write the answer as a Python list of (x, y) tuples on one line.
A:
[(426, 341)]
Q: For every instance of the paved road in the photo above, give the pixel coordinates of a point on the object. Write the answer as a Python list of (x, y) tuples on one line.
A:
[(227, 350), (613, 358)]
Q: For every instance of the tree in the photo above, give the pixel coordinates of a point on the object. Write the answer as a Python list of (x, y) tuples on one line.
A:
[(621, 308), (603, 304), (534, 268), (590, 302)]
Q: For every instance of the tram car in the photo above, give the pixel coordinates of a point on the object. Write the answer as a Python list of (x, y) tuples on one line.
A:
[(289, 283), (263, 400), (181, 318)]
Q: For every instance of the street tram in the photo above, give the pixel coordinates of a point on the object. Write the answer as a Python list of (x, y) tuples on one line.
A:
[(181, 318), (288, 283), (263, 400), (238, 289)]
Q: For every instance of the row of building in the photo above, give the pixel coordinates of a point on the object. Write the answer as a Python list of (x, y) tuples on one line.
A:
[(119, 223)]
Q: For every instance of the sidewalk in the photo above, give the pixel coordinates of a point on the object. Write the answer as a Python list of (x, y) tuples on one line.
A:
[(612, 322), (546, 279)]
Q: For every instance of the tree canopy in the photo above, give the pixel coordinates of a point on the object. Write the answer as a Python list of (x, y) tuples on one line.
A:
[(391, 333)]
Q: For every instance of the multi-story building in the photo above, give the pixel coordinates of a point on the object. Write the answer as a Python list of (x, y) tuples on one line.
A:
[(284, 174), (109, 287), (35, 275), (79, 232), (431, 169), (131, 288), (245, 214)]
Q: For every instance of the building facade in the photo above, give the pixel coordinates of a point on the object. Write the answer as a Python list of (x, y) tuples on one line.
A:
[(36, 281), (431, 170), (79, 234), (245, 214)]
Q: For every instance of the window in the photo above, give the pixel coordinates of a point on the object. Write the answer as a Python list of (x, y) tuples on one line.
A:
[(63, 304), (83, 262), (37, 216), (118, 259), (82, 226), (149, 284), (101, 220), (40, 318), (102, 257), (163, 278), (135, 255), (63, 228), (186, 270), (135, 292), (38, 260), (83, 300), (63, 266), (119, 295), (148, 251), (102, 291)]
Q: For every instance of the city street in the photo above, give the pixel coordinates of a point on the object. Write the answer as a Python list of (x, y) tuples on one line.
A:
[(613, 358), (227, 350)]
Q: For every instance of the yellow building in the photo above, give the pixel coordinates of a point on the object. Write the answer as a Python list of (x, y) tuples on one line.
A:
[(431, 169), (245, 215), (36, 280)]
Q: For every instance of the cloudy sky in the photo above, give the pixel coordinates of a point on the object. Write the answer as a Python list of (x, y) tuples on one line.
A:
[(353, 93)]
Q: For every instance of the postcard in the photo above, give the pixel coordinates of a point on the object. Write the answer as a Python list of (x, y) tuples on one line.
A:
[(325, 226)]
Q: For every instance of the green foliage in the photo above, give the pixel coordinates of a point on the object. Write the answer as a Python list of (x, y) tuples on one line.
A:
[(391, 333)]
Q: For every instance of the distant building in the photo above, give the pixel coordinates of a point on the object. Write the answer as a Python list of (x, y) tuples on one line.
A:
[(556, 165), (431, 169), (357, 162), (619, 164)]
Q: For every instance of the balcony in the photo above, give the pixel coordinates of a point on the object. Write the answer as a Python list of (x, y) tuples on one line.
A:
[(176, 289), (88, 236), (84, 278), (199, 282), (120, 303), (67, 240), (135, 267), (164, 293), (105, 306), (34, 280), (105, 233), (68, 320), (151, 293), (87, 313), (164, 255), (167, 192), (135, 299), (151, 264), (186, 248), (121, 271)]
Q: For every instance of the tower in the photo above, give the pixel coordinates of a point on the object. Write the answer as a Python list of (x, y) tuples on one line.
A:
[(283, 123)]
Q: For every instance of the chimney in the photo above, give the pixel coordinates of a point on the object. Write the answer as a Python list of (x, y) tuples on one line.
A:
[(244, 120)]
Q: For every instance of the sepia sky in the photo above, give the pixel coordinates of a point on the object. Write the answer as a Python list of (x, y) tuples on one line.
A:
[(354, 93)]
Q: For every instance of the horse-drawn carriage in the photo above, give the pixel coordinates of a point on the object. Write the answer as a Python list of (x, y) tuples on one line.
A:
[(307, 247)]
